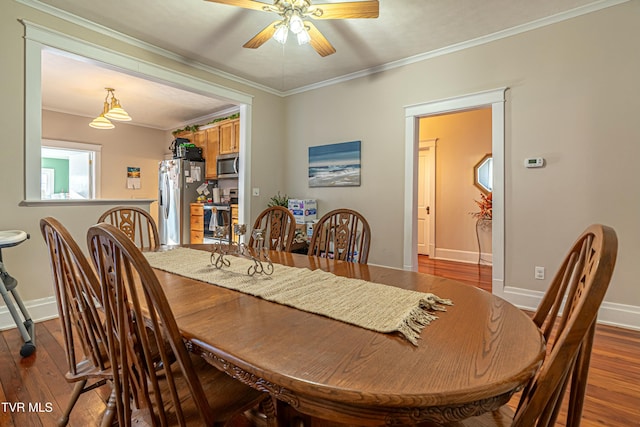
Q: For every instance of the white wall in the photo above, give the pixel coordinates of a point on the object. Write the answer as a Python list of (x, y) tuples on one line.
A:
[(572, 99)]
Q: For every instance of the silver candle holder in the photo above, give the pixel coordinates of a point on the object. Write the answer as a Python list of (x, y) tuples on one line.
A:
[(219, 249), (259, 254)]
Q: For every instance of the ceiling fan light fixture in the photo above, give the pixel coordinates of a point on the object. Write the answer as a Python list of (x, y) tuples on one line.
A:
[(295, 24), (281, 34), (303, 37)]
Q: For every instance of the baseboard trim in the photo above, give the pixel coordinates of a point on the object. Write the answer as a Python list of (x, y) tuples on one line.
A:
[(610, 313), (39, 310), (462, 256)]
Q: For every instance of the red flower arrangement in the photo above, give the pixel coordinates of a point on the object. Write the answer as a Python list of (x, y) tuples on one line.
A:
[(486, 207)]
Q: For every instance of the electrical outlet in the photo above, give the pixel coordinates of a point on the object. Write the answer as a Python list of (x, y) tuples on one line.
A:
[(539, 273), (255, 191)]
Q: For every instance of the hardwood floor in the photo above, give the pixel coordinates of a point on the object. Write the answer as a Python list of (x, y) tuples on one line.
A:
[(613, 391), (471, 274)]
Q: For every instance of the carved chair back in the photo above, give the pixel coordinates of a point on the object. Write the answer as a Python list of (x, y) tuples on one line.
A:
[(136, 223), (341, 234), (279, 225)]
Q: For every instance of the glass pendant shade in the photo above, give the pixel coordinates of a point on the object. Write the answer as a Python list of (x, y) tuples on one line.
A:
[(295, 24), (101, 122), (303, 37), (116, 112), (281, 34)]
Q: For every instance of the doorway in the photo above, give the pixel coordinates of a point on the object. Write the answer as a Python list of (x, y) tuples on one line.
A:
[(493, 99), (464, 138), (426, 196)]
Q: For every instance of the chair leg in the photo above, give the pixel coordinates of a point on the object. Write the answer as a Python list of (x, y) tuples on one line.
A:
[(110, 412), (579, 379), (77, 391)]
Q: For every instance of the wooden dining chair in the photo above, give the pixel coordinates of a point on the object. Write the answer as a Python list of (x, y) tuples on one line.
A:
[(136, 223), (191, 392), (341, 234), (279, 227), (576, 292), (77, 291)]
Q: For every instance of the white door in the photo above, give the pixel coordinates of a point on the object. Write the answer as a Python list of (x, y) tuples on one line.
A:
[(424, 198)]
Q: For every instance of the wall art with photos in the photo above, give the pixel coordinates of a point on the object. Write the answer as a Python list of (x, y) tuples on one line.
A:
[(335, 165)]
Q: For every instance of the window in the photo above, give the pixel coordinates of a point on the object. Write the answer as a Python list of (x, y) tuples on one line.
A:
[(69, 170)]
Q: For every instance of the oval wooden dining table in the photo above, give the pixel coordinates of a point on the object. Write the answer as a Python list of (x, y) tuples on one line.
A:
[(470, 360)]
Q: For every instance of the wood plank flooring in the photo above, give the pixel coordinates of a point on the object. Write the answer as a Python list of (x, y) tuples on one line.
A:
[(613, 392)]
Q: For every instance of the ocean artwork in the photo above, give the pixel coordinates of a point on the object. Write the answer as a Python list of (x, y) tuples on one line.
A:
[(335, 165)]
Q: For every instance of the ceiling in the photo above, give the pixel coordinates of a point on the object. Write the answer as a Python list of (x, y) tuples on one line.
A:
[(213, 34)]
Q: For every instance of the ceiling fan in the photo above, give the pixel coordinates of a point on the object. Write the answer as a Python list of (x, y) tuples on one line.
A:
[(292, 14)]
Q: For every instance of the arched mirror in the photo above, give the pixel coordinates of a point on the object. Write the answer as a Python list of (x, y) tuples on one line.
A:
[(483, 174)]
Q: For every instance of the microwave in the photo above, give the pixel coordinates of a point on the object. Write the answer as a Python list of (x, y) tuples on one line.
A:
[(228, 165)]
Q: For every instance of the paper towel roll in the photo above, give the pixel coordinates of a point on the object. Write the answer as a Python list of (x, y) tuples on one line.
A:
[(216, 195)]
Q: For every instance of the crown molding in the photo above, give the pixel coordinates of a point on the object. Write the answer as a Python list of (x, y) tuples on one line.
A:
[(563, 16), (543, 22)]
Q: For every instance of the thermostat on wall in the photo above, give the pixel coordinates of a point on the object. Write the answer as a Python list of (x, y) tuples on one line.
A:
[(534, 162)]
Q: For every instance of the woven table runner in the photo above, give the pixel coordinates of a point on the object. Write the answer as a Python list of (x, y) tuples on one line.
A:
[(370, 305)]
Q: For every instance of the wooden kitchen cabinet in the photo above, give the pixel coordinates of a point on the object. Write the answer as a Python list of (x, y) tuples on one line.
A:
[(220, 138), (200, 139), (212, 144), (185, 134), (197, 222), (229, 136)]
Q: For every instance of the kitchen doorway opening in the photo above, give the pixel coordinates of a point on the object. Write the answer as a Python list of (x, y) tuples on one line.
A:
[(39, 38), (493, 99)]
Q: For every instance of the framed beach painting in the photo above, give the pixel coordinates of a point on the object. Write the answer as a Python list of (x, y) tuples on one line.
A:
[(335, 165)]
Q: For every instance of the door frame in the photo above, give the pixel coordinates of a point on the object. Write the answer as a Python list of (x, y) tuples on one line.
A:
[(495, 99)]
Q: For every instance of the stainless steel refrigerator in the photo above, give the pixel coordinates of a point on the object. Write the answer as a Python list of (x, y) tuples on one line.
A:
[(178, 181)]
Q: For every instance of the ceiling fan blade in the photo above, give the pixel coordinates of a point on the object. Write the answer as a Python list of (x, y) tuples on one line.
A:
[(262, 37), (350, 9), (247, 4), (318, 41)]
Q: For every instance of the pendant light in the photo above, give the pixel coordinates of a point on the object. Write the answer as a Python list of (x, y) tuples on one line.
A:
[(116, 112), (101, 122), (113, 111)]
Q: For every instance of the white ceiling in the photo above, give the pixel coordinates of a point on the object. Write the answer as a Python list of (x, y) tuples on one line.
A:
[(213, 34)]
